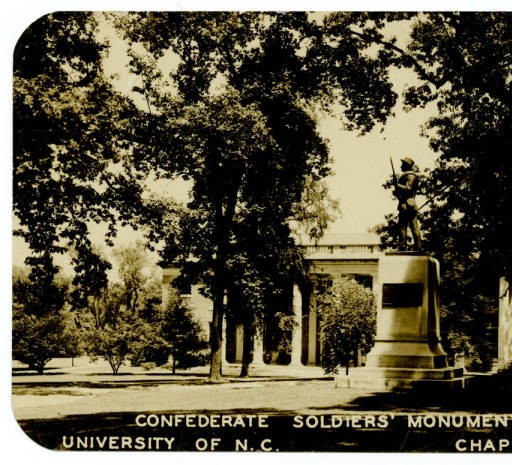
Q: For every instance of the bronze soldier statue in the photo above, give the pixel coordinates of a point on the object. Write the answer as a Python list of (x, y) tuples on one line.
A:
[(405, 191)]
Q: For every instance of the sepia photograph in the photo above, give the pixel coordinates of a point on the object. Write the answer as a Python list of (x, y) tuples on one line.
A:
[(263, 231)]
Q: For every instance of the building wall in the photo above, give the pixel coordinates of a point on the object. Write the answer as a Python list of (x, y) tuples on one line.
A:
[(363, 269), (505, 324), (337, 255), (348, 267), (360, 261), (202, 306)]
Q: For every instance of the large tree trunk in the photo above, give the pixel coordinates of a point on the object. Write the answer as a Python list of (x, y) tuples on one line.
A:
[(216, 336), (224, 205), (40, 368), (218, 305)]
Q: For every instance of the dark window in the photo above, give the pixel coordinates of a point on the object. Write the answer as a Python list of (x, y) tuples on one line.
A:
[(183, 287), (366, 281), (323, 284)]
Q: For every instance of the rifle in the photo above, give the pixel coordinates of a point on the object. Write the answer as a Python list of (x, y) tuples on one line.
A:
[(395, 181), (430, 199)]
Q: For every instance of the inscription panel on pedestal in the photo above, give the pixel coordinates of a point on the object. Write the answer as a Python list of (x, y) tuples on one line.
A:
[(396, 295)]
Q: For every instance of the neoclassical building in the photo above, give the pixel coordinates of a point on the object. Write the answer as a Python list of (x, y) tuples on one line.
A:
[(335, 255)]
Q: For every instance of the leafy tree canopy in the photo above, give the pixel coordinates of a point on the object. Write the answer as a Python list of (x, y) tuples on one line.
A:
[(245, 132), (463, 65), (235, 114)]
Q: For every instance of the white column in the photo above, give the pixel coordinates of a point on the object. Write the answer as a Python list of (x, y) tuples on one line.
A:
[(224, 331), (505, 324), (165, 293), (239, 342), (312, 320), (257, 354), (375, 283), (224, 342), (297, 327)]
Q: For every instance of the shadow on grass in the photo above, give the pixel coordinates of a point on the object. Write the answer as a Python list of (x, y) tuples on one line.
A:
[(485, 393), (27, 372), (21, 391), (144, 380)]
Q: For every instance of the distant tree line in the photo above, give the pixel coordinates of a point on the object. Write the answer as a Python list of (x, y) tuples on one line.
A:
[(124, 323)]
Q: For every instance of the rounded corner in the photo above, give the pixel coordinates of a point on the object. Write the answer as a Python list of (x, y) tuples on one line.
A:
[(27, 29), (22, 434)]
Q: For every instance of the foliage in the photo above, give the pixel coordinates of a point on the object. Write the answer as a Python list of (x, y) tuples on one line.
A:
[(241, 126), (37, 339), (63, 118), (279, 335), (139, 281), (60, 113), (71, 335), (315, 210), (466, 332), (462, 61), (134, 327), (42, 328), (138, 290), (470, 132), (118, 340), (41, 290), (120, 324), (234, 113), (460, 344), (184, 338), (348, 315), (265, 274)]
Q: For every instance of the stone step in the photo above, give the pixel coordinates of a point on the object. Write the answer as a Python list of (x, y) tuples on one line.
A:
[(389, 384), (405, 361), (407, 373)]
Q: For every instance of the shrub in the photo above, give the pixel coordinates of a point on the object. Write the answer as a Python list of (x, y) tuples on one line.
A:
[(348, 315), (37, 339)]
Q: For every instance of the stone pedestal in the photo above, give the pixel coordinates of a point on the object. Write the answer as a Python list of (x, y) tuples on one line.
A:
[(407, 351)]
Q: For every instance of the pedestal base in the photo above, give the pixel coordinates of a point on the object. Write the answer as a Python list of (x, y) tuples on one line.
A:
[(401, 379), (407, 352)]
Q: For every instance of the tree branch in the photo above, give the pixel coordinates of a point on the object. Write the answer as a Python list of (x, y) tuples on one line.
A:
[(409, 60)]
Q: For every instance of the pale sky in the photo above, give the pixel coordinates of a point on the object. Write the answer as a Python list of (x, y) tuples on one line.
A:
[(362, 165)]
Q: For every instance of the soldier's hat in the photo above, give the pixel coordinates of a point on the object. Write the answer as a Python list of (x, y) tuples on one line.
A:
[(408, 161)]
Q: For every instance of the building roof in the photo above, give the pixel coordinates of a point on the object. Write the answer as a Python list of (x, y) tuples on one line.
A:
[(345, 239)]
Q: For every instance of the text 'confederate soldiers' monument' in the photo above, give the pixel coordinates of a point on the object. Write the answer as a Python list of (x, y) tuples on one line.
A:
[(407, 351)]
